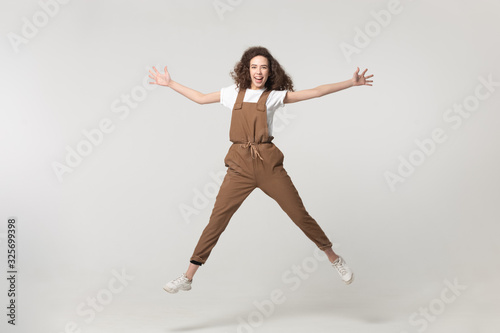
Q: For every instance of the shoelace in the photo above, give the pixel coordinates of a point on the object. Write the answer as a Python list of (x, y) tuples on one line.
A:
[(339, 265), (179, 280)]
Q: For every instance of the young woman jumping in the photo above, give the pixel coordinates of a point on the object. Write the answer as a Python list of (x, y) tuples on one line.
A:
[(261, 87)]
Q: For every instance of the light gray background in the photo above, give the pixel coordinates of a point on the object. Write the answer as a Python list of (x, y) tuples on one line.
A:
[(120, 208)]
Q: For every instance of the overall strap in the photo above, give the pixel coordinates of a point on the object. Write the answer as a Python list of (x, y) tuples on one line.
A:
[(239, 99), (261, 104)]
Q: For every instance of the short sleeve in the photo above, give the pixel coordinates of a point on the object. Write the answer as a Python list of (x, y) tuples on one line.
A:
[(276, 99), (228, 96)]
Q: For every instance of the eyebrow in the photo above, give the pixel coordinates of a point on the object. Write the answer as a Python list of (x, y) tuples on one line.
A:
[(256, 65)]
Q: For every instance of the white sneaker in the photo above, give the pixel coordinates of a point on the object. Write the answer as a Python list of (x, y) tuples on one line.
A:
[(345, 272), (181, 283)]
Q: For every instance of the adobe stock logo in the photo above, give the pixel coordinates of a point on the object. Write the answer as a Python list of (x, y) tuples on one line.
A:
[(89, 309), (372, 29), (426, 315), (94, 137), (40, 19), (224, 6), (455, 116), (292, 278)]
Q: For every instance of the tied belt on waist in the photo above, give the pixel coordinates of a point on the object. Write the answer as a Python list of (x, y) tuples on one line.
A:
[(253, 147)]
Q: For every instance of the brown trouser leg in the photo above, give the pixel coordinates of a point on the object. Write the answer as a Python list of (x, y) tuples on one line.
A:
[(280, 187), (233, 191)]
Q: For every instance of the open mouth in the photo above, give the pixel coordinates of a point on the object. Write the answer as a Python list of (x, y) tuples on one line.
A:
[(258, 79)]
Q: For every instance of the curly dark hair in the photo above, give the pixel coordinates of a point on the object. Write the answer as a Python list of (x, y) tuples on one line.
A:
[(278, 79)]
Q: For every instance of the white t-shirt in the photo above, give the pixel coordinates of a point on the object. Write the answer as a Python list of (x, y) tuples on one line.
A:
[(274, 100)]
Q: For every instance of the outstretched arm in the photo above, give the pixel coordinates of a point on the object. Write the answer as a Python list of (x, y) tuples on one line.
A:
[(302, 95), (195, 96)]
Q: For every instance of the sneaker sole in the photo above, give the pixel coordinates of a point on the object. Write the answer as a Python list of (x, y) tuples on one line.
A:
[(171, 291), (350, 281)]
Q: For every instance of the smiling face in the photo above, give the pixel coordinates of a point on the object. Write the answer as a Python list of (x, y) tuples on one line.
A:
[(259, 72)]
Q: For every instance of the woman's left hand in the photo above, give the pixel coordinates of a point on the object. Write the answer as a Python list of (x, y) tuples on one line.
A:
[(360, 79)]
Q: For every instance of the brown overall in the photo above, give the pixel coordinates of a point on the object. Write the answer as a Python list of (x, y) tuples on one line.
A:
[(254, 161)]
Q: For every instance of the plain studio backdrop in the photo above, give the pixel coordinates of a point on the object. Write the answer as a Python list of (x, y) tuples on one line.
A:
[(112, 180)]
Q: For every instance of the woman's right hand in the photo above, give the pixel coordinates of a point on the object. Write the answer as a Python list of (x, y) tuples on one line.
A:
[(160, 79)]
